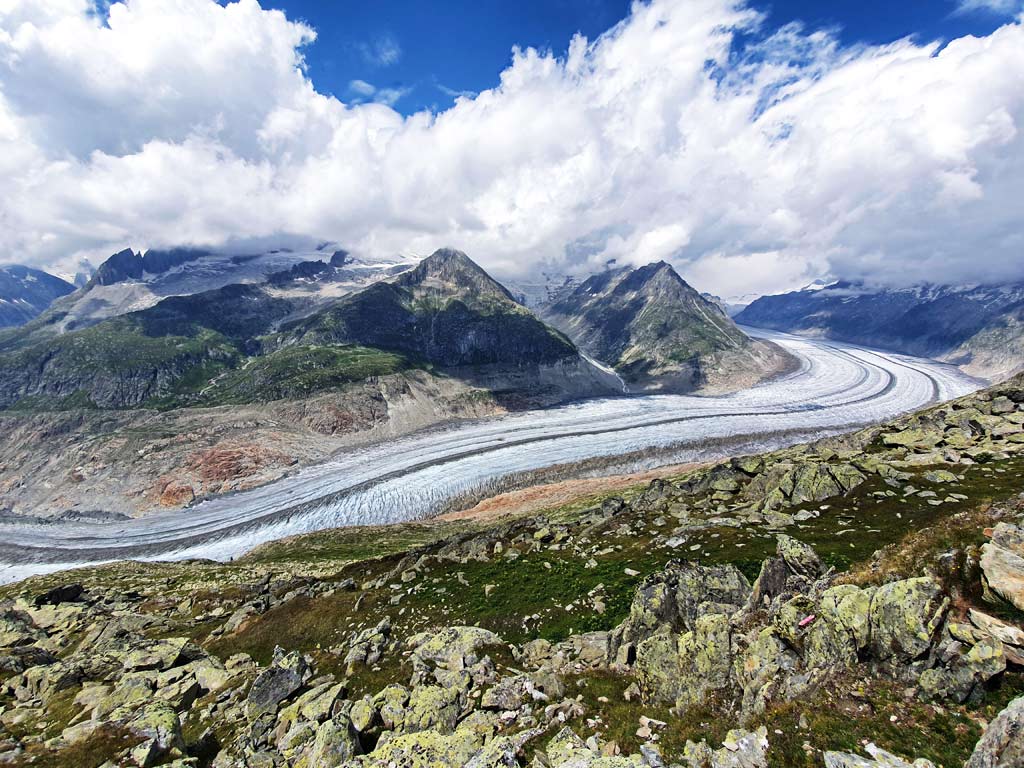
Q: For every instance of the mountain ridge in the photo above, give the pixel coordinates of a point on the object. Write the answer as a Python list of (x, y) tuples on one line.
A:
[(26, 292), (658, 332), (447, 313), (978, 328)]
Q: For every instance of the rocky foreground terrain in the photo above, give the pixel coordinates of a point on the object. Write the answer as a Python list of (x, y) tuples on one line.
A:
[(849, 603)]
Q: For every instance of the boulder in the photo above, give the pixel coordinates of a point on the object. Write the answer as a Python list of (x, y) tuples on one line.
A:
[(1002, 744), (762, 671), (433, 707), (335, 744), (685, 668), (66, 593), (905, 617), (276, 684), (799, 558), (879, 759), (162, 654), (965, 672), (740, 749), (453, 648), (160, 726), (1002, 563), (676, 597)]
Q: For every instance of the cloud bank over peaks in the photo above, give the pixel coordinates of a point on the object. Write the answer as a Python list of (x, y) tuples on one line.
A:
[(753, 161)]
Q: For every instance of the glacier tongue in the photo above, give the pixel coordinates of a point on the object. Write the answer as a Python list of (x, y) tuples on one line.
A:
[(837, 387)]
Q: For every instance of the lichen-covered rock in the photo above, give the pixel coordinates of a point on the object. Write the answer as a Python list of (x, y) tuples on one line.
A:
[(685, 668), (334, 745), (905, 616), (1002, 744), (423, 749), (509, 693), (452, 648), (880, 759), (813, 482), (163, 654), (160, 726), (850, 606), (965, 672), (367, 647), (563, 746), (740, 749), (847, 476), (762, 670), (391, 703), (828, 645), (799, 558), (674, 598), (433, 707), (278, 682)]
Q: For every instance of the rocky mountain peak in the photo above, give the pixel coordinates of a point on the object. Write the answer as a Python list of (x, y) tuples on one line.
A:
[(123, 265), (657, 331), (453, 270)]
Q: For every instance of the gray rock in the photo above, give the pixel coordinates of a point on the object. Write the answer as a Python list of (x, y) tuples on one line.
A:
[(1002, 744)]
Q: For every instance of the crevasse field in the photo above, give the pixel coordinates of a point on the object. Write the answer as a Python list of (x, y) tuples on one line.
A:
[(836, 388)]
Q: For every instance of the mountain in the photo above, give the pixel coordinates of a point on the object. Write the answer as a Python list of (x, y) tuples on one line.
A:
[(448, 312), (659, 333), (129, 282), (26, 292), (256, 342), (978, 328)]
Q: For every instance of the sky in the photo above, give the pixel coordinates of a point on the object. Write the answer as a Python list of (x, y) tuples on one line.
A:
[(420, 55), (756, 146)]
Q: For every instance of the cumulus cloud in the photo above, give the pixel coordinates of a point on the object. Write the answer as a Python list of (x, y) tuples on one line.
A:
[(752, 161)]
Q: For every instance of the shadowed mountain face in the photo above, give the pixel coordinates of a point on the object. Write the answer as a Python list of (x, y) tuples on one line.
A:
[(978, 328), (25, 293), (656, 330)]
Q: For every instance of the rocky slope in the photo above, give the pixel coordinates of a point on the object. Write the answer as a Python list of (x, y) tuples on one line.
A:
[(25, 293), (978, 328), (131, 462), (854, 602), (658, 333)]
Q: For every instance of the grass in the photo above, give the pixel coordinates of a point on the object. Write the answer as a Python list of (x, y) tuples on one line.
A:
[(299, 371)]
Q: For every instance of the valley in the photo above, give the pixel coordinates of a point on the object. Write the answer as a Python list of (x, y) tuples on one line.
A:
[(836, 388)]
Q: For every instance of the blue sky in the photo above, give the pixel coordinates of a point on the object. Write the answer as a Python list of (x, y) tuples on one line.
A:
[(419, 55)]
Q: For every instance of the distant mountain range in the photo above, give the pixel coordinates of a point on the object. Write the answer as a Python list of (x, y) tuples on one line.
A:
[(25, 293), (659, 333), (978, 328)]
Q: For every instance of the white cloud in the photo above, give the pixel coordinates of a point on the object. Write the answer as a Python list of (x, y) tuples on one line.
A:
[(362, 88), (365, 91), (1006, 7), (381, 52), (760, 168)]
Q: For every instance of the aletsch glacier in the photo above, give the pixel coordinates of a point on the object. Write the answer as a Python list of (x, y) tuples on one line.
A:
[(836, 388)]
